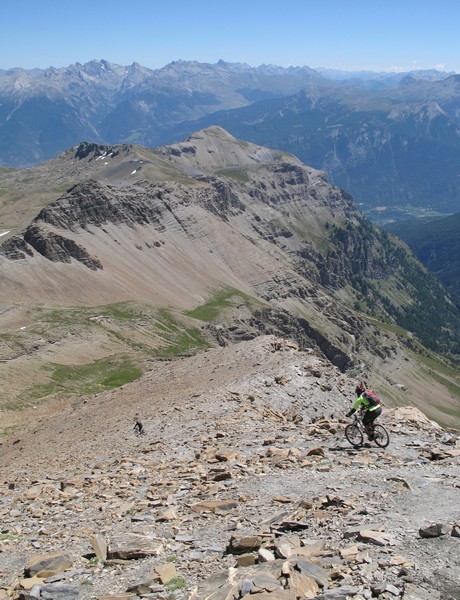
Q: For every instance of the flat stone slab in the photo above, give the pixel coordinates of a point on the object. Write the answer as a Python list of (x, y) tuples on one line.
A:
[(132, 546)]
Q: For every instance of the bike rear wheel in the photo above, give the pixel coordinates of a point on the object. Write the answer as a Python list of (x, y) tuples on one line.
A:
[(381, 437), (354, 434)]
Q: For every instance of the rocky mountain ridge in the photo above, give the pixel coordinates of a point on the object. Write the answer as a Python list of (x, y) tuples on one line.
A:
[(211, 217)]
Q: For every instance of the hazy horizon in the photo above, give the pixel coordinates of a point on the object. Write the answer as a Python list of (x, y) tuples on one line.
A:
[(319, 68)]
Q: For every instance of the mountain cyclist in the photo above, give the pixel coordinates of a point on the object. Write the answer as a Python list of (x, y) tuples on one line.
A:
[(370, 404)]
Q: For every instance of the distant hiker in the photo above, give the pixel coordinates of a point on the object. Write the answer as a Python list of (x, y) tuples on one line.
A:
[(370, 403), (138, 428)]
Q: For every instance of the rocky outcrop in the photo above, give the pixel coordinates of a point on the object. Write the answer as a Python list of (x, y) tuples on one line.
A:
[(93, 151), (57, 248), (282, 323), (15, 248), (48, 244), (94, 204), (222, 199)]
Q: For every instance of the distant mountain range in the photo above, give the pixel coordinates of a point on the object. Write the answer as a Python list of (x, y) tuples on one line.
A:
[(392, 140), (374, 80), (43, 112)]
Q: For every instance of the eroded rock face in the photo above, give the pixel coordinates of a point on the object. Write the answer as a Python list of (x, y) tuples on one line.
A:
[(58, 248), (16, 248), (52, 246), (94, 204)]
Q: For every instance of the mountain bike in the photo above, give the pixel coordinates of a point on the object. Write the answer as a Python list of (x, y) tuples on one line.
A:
[(355, 432)]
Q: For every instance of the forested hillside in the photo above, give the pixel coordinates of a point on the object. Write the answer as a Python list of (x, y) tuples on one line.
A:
[(436, 242)]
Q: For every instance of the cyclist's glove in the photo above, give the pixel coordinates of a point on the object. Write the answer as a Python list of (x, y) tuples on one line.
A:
[(351, 412)]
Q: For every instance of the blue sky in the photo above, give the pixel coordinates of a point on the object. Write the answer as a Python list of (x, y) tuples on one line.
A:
[(344, 34)]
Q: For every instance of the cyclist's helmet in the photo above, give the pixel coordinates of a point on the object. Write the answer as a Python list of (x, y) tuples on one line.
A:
[(359, 390)]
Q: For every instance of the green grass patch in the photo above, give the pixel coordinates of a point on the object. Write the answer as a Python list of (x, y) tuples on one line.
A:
[(189, 341), (237, 174), (440, 367), (389, 327), (177, 339), (6, 432), (430, 360), (107, 373), (126, 337), (176, 583), (220, 301), (453, 388), (451, 412), (122, 311), (13, 341), (86, 379)]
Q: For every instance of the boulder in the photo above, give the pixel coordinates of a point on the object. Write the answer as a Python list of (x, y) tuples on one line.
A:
[(242, 545), (133, 546), (59, 592), (436, 530), (99, 545), (48, 565), (221, 507), (165, 572), (303, 585)]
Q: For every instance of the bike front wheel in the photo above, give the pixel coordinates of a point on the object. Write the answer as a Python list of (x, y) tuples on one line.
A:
[(381, 437), (354, 434)]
